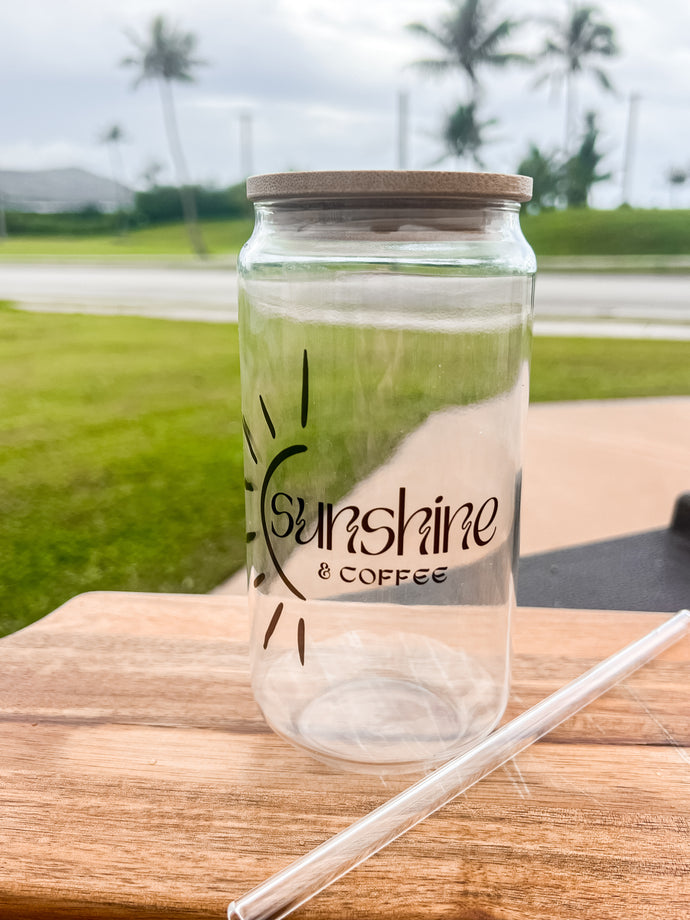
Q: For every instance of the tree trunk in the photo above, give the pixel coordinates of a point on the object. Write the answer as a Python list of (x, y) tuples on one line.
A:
[(183, 183), (569, 107), (3, 220)]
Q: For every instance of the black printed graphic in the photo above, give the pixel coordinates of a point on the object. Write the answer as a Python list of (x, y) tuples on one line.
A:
[(277, 461), (406, 538)]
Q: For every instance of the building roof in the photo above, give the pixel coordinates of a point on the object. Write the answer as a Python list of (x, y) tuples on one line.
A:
[(48, 191)]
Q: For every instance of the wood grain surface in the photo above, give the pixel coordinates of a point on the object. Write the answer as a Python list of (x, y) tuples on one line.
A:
[(138, 780)]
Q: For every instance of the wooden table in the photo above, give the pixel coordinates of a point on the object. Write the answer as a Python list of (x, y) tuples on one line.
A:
[(138, 780)]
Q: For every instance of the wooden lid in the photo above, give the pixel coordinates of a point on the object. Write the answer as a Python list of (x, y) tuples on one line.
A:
[(388, 183)]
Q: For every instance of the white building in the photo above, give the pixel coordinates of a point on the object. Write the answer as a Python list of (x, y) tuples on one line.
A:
[(48, 191)]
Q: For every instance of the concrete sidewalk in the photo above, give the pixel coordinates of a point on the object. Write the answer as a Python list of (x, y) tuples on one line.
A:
[(595, 470), (601, 469)]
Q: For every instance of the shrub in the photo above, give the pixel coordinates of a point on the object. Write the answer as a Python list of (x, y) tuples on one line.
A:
[(88, 222), (161, 204)]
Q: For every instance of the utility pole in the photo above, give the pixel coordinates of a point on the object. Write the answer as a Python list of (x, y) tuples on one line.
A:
[(246, 146), (630, 139), (403, 112), (3, 219)]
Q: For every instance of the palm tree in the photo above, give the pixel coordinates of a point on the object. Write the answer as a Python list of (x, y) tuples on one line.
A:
[(581, 169), (151, 173), (463, 133), (470, 40), (676, 176), (576, 44), (546, 171), (113, 137), (167, 56)]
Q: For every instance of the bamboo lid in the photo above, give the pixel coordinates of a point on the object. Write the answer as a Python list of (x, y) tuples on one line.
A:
[(388, 183)]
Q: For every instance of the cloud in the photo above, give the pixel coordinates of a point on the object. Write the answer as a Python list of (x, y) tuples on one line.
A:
[(53, 155), (320, 80)]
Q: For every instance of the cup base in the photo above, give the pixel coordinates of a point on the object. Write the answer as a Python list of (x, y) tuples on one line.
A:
[(379, 720), (397, 703)]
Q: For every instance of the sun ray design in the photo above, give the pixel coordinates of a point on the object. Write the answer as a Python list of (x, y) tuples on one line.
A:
[(272, 625), (305, 388), (250, 443), (281, 457), (269, 421), (300, 640)]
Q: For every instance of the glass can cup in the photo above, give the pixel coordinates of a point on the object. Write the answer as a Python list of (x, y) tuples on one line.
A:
[(385, 330)]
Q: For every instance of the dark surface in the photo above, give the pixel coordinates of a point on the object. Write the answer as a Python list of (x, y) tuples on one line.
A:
[(647, 571)]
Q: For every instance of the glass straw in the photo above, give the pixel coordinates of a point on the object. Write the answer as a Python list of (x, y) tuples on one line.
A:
[(290, 888)]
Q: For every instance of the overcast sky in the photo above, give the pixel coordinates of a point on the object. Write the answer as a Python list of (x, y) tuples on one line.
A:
[(320, 80)]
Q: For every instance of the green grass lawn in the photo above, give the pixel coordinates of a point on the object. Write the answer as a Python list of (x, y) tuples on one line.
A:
[(120, 458), (620, 232), (574, 232), (565, 368), (121, 448), (222, 237)]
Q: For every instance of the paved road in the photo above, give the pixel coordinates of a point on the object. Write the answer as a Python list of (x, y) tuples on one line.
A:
[(613, 306), (654, 305), (170, 293)]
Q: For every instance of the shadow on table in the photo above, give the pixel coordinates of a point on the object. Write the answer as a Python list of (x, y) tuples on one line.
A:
[(646, 571)]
